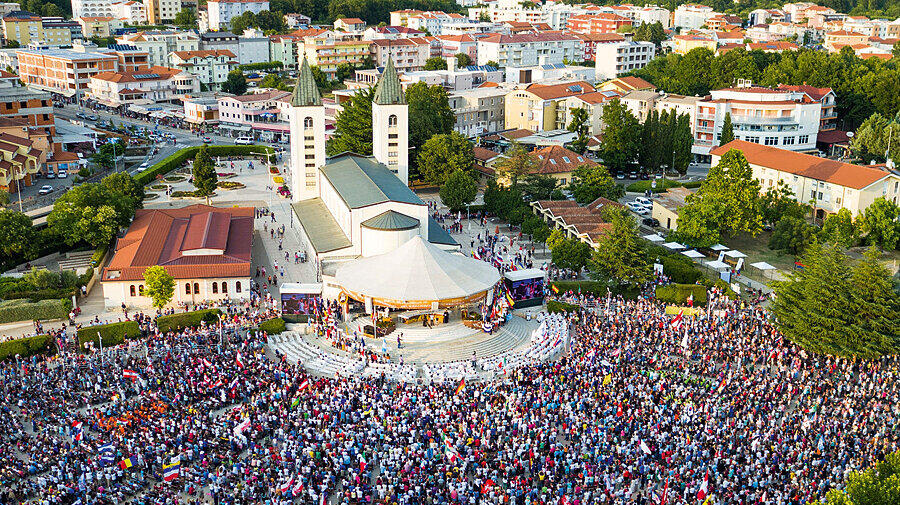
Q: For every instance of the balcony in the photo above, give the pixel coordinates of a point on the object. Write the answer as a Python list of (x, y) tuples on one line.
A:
[(763, 119)]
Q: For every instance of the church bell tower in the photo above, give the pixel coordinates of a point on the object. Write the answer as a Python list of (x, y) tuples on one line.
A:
[(390, 124)]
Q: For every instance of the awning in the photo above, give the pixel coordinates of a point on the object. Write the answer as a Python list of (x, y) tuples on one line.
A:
[(735, 254), (719, 247), (692, 254), (673, 246), (654, 237), (762, 265), (717, 264), (240, 128)]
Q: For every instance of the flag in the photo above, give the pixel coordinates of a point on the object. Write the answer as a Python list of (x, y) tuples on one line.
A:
[(607, 379), (665, 493), (644, 448), (130, 374), (125, 464), (676, 322), (304, 384), (620, 412), (77, 432), (323, 500), (242, 426), (690, 300), (298, 488), (286, 487), (449, 450), (238, 360), (510, 299), (107, 454), (172, 470), (704, 488), (461, 386), (217, 384), (295, 403), (486, 486), (206, 363), (554, 288)]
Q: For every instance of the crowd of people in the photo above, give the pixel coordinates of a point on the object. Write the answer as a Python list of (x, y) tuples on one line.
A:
[(643, 408)]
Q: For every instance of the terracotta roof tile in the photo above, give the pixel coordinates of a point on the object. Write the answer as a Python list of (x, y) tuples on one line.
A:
[(558, 160)]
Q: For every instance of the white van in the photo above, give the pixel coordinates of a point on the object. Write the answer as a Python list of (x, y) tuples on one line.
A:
[(243, 141)]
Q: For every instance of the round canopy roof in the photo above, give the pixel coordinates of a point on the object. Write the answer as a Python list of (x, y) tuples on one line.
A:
[(415, 275)]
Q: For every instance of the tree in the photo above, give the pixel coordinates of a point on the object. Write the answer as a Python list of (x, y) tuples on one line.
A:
[(590, 182), (682, 140), (492, 63), (779, 202), (435, 63), (16, 233), (4, 197), (877, 485), (840, 229), (727, 203), (879, 223), (518, 163), (443, 155), (344, 71), (556, 236), (727, 130), (621, 135), (895, 50), (538, 187), (651, 33), (106, 156), (353, 127), (619, 255), (235, 83), (833, 307), (186, 19), (429, 113), (160, 286), (459, 190), (462, 60), (571, 254), (92, 213), (792, 235), (580, 125), (205, 178), (876, 138)]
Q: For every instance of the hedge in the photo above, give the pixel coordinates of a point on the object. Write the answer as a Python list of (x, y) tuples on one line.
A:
[(177, 159), (273, 326), (553, 307), (113, 333), (187, 319), (595, 288), (98, 255), (23, 310), (678, 267), (661, 186), (678, 293), (25, 347)]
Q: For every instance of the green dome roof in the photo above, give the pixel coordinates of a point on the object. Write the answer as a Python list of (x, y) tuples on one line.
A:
[(391, 220)]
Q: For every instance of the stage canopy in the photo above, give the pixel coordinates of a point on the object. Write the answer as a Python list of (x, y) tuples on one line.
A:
[(417, 275)]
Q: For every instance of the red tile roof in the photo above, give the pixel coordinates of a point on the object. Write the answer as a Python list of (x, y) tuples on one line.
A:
[(552, 91), (558, 160), (813, 167), (196, 241)]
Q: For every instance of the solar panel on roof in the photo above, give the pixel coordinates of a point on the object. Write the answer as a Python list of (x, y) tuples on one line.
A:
[(576, 88), (547, 67), (146, 76)]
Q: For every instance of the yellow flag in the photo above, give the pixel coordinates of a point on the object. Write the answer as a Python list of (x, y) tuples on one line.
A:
[(607, 379)]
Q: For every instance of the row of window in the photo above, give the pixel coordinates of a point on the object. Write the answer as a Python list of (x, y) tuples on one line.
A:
[(773, 141), (139, 289)]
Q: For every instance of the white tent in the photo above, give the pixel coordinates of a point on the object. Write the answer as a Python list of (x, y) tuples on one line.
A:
[(716, 264), (762, 265), (719, 247), (735, 254), (655, 237), (416, 275), (673, 246), (692, 254)]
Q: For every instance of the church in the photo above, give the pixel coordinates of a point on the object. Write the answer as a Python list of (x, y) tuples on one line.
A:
[(357, 212)]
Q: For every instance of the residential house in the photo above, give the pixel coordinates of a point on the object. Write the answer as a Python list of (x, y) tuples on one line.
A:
[(221, 12), (537, 106), (26, 28), (627, 84), (408, 54), (835, 40), (349, 24), (152, 85), (62, 71), (529, 49), (210, 66)]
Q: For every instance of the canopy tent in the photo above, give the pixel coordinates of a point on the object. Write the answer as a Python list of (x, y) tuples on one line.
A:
[(654, 237), (417, 275), (735, 254), (717, 264), (692, 254), (673, 246), (762, 265), (719, 247)]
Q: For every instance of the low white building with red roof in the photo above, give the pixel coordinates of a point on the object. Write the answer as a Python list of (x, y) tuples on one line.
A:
[(151, 85)]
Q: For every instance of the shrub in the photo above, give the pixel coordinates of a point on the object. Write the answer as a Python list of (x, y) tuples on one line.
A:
[(24, 310), (98, 255), (678, 293), (25, 347), (187, 319), (84, 278), (179, 158), (662, 185), (692, 184), (596, 288), (680, 270), (553, 307), (273, 326), (112, 334)]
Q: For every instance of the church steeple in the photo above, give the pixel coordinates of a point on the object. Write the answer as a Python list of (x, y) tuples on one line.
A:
[(388, 90), (306, 93)]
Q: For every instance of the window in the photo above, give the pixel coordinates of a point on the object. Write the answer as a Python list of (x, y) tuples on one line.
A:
[(392, 120), (141, 290), (307, 122), (187, 288), (196, 288), (788, 141), (566, 159), (224, 287), (237, 287), (804, 139), (215, 287), (771, 141), (131, 290)]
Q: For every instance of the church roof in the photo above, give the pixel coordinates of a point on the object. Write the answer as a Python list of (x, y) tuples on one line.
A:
[(361, 181), (388, 90), (324, 233), (306, 92), (391, 220)]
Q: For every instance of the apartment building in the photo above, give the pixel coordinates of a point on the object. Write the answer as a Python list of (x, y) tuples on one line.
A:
[(151, 85), (33, 108), (592, 103), (210, 66), (26, 28), (451, 45), (220, 12), (836, 40), (603, 22), (537, 107), (692, 16), (19, 160), (478, 111), (683, 44), (772, 117), (613, 60), (329, 50), (129, 57), (201, 111), (590, 41), (159, 11), (260, 112), (91, 8), (249, 47), (62, 71), (284, 48), (98, 26), (831, 185), (390, 32), (826, 98), (408, 54), (160, 43), (131, 12), (522, 50)]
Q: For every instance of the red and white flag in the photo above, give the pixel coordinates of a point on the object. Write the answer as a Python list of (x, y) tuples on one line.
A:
[(286, 487), (130, 374), (206, 362), (238, 360), (242, 426), (644, 448), (704, 488), (298, 488), (690, 300), (665, 493), (304, 384), (676, 322)]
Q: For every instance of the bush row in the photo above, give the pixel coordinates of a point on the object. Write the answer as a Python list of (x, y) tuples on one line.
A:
[(554, 306), (595, 288), (679, 293), (25, 347), (183, 320), (662, 185), (112, 334), (179, 158), (272, 326), (23, 310)]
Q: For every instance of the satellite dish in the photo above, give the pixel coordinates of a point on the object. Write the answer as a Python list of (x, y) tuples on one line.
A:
[(850, 134)]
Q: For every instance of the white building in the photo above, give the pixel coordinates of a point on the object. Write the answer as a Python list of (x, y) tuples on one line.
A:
[(478, 111), (221, 12), (130, 12), (152, 85), (434, 21), (613, 60), (523, 50), (160, 43), (91, 8), (548, 72), (692, 16), (390, 124), (211, 66), (779, 118)]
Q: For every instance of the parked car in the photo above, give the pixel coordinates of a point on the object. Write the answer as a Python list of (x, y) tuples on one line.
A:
[(633, 174), (633, 206), (45, 190), (145, 164), (645, 176), (51, 175), (63, 174), (651, 222), (643, 211), (243, 141), (92, 118), (208, 140), (644, 201)]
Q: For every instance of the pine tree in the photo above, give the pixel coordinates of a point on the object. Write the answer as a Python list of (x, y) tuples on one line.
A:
[(727, 130), (619, 256), (204, 174)]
